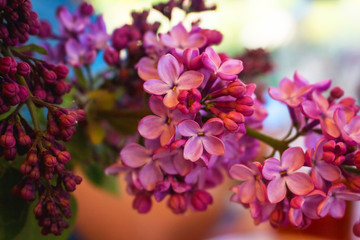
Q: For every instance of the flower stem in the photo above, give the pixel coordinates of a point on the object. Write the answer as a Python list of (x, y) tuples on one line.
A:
[(278, 145)]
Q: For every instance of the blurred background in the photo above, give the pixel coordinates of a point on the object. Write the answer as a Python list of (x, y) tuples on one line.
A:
[(319, 38)]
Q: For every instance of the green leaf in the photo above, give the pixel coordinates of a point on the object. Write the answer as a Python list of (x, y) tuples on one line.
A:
[(79, 147), (32, 231), (13, 209), (31, 48), (80, 77), (96, 175)]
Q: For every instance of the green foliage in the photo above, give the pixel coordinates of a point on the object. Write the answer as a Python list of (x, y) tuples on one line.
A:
[(31, 48), (13, 209), (96, 175)]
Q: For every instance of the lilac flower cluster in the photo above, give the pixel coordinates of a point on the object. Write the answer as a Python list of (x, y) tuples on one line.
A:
[(28, 81), (199, 106)]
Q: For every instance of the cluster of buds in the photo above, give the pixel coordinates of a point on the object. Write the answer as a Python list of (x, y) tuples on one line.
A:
[(18, 21), (11, 94)]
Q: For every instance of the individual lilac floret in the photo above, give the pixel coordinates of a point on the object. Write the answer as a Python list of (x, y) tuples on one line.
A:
[(180, 38), (71, 23), (81, 52), (172, 80), (202, 137), (350, 131), (334, 203), (146, 68), (99, 34), (226, 70), (282, 174), (163, 123), (253, 187)]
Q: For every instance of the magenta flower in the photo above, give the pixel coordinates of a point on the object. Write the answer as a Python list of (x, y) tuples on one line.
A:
[(334, 203), (81, 52), (163, 123), (202, 137), (146, 68), (350, 130), (252, 186), (178, 37), (282, 174), (71, 23), (172, 81), (99, 34), (226, 70)]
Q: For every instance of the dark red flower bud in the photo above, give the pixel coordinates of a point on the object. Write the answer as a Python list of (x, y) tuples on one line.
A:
[(86, 9), (201, 199), (142, 203), (13, 66), (38, 209), (61, 71), (10, 153), (277, 217), (25, 168), (28, 193), (35, 173), (49, 76), (49, 160), (15, 100), (45, 29), (7, 140), (356, 229), (336, 92), (40, 93), (236, 89), (10, 90), (4, 33), (62, 87), (111, 56), (67, 120), (23, 68), (63, 157), (70, 184), (177, 203), (23, 93), (78, 180)]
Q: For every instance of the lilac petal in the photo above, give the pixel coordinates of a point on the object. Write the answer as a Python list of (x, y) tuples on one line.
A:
[(276, 190), (292, 159), (271, 168), (275, 94), (247, 191), (169, 69), (195, 40), (188, 128), (147, 69), (151, 127), (310, 110), (167, 40), (324, 207), (213, 145), (328, 171), (189, 79), (299, 183), (311, 203), (214, 57), (115, 168), (322, 85), (231, 66), (208, 63), (337, 209), (134, 155), (167, 134), (287, 86), (157, 107), (170, 99), (193, 149), (213, 126), (226, 77), (260, 190), (329, 128), (182, 166), (353, 128), (72, 48), (179, 34), (349, 196), (156, 87), (318, 181), (320, 100), (150, 175), (167, 165), (241, 172), (296, 216)]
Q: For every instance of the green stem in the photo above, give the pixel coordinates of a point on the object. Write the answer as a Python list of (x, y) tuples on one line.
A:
[(30, 104), (278, 145), (351, 169)]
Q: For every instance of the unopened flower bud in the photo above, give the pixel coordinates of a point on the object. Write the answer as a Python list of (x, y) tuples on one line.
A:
[(45, 29), (86, 9), (201, 199), (7, 140), (23, 68), (23, 93), (49, 76), (111, 57), (10, 90), (49, 160), (63, 157), (61, 71), (177, 203), (142, 203), (336, 92)]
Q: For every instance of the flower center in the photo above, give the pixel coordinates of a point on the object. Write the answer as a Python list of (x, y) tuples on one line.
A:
[(201, 134), (283, 173), (173, 88)]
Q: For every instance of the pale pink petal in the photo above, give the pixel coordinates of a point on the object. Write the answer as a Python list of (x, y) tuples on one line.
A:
[(151, 127), (271, 169), (337, 209), (324, 207), (193, 149), (181, 165), (353, 128), (195, 40), (348, 196), (276, 190), (167, 40), (179, 34), (318, 181), (231, 66), (292, 159), (320, 100), (310, 110), (296, 216), (169, 69), (213, 126), (260, 190), (208, 63), (287, 86), (329, 127), (167, 134), (323, 85), (328, 171), (115, 168), (247, 191), (157, 107), (156, 87), (227, 77), (241, 172), (147, 69), (214, 57), (299, 183), (299, 80), (170, 99), (189, 79), (167, 165), (188, 128), (213, 145), (149, 175), (276, 94), (134, 155)]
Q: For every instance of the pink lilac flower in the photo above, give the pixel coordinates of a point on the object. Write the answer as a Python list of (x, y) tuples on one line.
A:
[(81, 52), (303, 208), (322, 171), (178, 37), (350, 130), (319, 108), (226, 70), (99, 34), (172, 80), (71, 23), (146, 68), (252, 187), (334, 203), (202, 137), (282, 174), (163, 123)]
